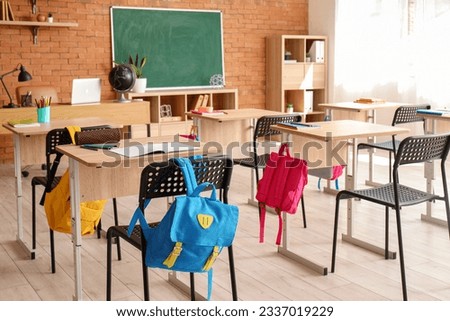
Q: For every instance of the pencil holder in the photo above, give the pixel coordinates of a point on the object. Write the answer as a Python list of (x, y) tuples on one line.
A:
[(43, 114)]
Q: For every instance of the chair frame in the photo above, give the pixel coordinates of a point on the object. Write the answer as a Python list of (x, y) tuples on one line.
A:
[(54, 138), (263, 129), (413, 149), (403, 115), (165, 180)]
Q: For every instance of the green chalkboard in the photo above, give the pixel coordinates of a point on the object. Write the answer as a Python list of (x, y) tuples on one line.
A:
[(183, 47)]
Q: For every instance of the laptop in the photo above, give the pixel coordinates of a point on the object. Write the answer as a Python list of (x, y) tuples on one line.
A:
[(86, 91)]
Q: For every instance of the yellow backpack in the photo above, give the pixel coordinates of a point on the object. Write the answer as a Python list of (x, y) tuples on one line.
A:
[(57, 202)]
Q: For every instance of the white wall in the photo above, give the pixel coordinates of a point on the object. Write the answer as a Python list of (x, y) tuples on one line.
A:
[(321, 21)]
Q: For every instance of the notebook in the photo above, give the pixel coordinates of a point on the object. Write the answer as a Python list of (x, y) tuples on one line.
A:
[(86, 91)]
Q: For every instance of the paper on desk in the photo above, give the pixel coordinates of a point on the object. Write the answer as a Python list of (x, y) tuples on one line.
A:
[(135, 150)]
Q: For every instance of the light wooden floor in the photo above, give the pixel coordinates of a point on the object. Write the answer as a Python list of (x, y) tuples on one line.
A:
[(262, 274)]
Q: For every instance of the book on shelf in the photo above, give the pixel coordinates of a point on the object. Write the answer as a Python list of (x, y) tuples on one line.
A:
[(205, 100), (197, 103), (298, 125), (23, 123), (438, 112), (290, 61)]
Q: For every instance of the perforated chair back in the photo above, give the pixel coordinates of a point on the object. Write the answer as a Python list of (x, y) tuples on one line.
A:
[(408, 114), (165, 179), (263, 125), (420, 149)]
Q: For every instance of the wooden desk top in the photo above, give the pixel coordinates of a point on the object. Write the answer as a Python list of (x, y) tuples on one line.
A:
[(104, 158), (342, 130), (445, 117), (237, 114), (357, 107), (44, 128), (133, 113)]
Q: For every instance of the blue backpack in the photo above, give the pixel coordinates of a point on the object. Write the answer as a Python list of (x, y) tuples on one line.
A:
[(192, 233)]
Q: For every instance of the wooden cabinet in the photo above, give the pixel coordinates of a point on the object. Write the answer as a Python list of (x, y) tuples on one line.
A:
[(168, 108), (296, 73)]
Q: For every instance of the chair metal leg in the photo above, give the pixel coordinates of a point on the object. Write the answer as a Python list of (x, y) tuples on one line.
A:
[(386, 233), (52, 250), (192, 282), (390, 166), (99, 229), (116, 223), (303, 212), (336, 220), (232, 273), (401, 256), (144, 272), (33, 221), (109, 236)]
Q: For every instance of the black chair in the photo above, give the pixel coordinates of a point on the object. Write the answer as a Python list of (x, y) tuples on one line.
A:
[(402, 115), (163, 180), (55, 137), (262, 131), (415, 149)]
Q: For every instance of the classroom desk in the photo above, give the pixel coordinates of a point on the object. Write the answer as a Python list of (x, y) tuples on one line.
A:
[(327, 145), (431, 127), (133, 113), (232, 133), (230, 130), (362, 112), (102, 175), (29, 149)]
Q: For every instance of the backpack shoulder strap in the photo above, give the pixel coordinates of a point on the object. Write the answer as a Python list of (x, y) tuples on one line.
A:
[(188, 173), (48, 188), (138, 215)]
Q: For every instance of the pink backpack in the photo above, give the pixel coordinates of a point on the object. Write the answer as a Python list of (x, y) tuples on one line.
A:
[(281, 187)]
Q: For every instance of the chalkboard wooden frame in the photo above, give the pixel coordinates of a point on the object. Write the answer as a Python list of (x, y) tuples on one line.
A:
[(184, 48)]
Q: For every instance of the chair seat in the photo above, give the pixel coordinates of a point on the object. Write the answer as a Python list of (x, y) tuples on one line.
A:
[(384, 195), (122, 231), (250, 162), (386, 145), (42, 180)]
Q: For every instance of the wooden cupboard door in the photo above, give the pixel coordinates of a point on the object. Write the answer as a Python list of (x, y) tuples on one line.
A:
[(314, 76), (293, 75)]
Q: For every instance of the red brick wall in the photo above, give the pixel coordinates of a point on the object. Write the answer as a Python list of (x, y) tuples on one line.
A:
[(62, 54)]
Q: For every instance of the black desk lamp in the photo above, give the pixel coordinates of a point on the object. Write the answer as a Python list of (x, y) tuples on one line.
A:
[(23, 76)]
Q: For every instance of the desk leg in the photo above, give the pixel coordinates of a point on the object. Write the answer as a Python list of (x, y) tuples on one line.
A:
[(350, 184), (283, 250), (76, 225), (19, 194), (429, 173)]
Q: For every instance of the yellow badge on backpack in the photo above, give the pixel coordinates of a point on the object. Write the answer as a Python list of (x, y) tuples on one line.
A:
[(205, 220)]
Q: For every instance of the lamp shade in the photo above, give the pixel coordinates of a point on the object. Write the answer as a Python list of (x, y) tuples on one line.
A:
[(24, 75)]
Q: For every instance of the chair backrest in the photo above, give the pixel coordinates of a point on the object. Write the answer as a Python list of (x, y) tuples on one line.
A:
[(408, 114), (263, 124), (36, 93), (60, 136), (423, 148), (165, 179)]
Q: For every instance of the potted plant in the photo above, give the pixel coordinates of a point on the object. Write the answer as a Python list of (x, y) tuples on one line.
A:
[(141, 82), (50, 17)]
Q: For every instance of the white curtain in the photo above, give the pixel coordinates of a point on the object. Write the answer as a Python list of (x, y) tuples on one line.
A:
[(397, 50)]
